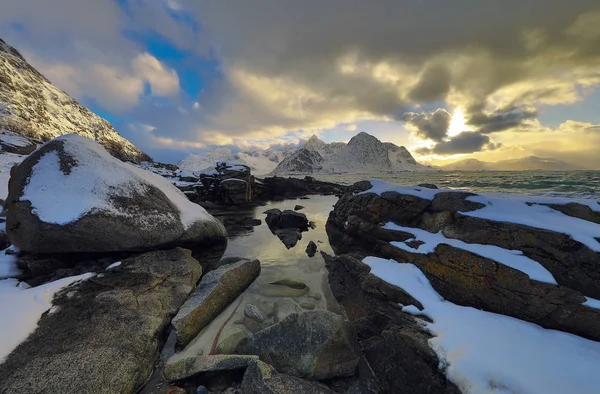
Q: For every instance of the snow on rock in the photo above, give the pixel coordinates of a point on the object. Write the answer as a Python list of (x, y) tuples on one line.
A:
[(483, 352), (7, 161), (514, 209), (21, 309), (73, 180), (33, 107), (592, 303), (511, 258), (8, 263), (519, 209), (113, 265)]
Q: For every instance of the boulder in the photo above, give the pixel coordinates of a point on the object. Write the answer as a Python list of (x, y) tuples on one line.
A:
[(235, 191), (104, 334), (298, 207), (261, 378), (289, 236), (277, 219), (216, 291), (178, 369), (311, 249), (455, 201), (71, 195), (313, 345), (428, 185)]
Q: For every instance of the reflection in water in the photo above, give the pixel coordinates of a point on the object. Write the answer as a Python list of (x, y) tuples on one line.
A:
[(277, 263)]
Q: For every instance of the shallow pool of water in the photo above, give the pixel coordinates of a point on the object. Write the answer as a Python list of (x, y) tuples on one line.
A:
[(277, 263)]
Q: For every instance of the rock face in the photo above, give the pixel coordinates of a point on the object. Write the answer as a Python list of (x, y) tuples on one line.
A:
[(315, 345), (72, 196), (216, 291), (303, 161), (188, 367), (32, 107), (467, 278), (392, 343), (104, 335), (286, 219), (261, 378)]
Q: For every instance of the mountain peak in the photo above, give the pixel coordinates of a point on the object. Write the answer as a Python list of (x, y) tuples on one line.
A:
[(56, 113)]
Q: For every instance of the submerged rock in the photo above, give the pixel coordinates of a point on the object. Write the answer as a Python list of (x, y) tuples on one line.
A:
[(284, 288), (311, 249), (261, 378), (216, 291), (71, 195), (188, 367), (228, 345), (252, 312), (289, 236), (104, 333), (314, 345), (285, 307)]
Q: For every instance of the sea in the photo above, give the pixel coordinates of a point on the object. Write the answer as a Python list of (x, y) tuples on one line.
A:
[(573, 184)]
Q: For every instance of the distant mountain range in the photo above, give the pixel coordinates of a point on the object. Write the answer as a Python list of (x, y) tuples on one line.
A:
[(530, 163), (31, 106), (363, 154)]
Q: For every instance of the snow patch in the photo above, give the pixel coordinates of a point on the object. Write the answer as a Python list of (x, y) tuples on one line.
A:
[(512, 258), (485, 352), (21, 309), (592, 303), (113, 265)]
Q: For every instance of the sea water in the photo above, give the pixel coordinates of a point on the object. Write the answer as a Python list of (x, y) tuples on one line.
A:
[(576, 184)]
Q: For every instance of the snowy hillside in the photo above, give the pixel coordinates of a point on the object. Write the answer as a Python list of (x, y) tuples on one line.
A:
[(363, 154), (261, 162), (31, 106)]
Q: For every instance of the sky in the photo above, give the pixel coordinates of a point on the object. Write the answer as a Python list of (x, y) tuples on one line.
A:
[(484, 79)]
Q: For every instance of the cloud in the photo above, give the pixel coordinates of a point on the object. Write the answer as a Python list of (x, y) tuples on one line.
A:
[(501, 119), (467, 142), (116, 87), (286, 66), (432, 126)]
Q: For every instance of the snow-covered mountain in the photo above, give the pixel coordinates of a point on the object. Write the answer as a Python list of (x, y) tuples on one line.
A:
[(33, 107), (529, 163), (260, 161), (363, 154)]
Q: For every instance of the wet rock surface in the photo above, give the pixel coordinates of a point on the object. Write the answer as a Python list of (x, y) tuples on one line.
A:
[(104, 333), (315, 345), (216, 291), (261, 378)]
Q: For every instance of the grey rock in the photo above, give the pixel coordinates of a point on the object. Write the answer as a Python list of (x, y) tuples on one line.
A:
[(298, 207), (261, 378), (216, 291), (178, 369), (105, 339), (285, 307), (289, 236), (455, 201), (284, 288), (311, 249), (252, 312), (141, 216), (314, 345)]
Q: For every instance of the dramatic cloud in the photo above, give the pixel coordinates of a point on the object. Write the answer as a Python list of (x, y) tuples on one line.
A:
[(302, 67), (433, 126), (502, 118), (468, 142)]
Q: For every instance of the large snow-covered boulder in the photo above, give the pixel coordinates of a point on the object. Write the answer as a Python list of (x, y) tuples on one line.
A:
[(71, 195)]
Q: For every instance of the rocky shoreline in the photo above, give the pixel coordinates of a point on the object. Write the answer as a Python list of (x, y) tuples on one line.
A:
[(141, 299)]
